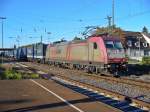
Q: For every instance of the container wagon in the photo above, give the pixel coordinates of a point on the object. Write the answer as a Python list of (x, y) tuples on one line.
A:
[(21, 53), (30, 52), (40, 52)]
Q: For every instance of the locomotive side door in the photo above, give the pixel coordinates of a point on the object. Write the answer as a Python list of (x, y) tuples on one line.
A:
[(94, 52), (90, 52)]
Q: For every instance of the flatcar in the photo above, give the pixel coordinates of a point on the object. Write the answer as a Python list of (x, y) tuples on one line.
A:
[(98, 54)]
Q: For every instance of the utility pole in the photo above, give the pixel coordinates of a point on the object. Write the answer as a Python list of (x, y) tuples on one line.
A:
[(113, 11), (49, 33), (109, 28), (2, 18), (41, 38), (18, 40), (109, 20)]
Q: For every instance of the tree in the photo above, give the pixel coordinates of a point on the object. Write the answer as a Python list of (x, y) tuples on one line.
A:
[(145, 30), (113, 30), (77, 38)]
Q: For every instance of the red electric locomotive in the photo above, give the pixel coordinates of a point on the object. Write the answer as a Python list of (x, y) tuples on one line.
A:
[(96, 54)]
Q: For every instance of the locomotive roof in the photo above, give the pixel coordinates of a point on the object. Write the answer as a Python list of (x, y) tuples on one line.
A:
[(106, 36), (68, 42), (85, 40), (110, 38), (79, 41)]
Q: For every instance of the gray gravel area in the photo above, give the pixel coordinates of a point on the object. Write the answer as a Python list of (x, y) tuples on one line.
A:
[(142, 77), (128, 90)]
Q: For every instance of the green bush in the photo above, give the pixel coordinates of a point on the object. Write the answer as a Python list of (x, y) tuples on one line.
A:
[(146, 60), (25, 76), (34, 76), (11, 74), (17, 76), (7, 74)]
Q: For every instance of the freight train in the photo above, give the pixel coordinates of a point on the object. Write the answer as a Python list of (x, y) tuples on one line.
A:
[(33, 52), (96, 54)]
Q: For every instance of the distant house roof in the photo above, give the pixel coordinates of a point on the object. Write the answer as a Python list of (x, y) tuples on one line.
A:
[(131, 33), (146, 37), (134, 37)]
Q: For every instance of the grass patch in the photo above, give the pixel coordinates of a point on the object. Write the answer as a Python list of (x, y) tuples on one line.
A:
[(17, 76), (34, 76), (11, 74), (15, 73)]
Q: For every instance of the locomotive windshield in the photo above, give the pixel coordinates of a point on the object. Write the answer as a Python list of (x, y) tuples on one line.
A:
[(109, 44), (113, 44), (118, 45)]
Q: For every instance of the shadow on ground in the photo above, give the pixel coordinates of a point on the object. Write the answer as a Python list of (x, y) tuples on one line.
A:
[(9, 102), (51, 105), (136, 69)]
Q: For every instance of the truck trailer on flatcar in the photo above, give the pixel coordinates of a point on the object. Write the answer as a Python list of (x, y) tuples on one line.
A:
[(36, 52), (21, 53)]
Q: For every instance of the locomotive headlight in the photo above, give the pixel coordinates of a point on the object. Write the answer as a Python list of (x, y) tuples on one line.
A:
[(108, 66), (124, 65), (124, 59)]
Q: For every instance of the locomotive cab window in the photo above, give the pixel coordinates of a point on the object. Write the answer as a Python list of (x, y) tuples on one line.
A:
[(95, 45)]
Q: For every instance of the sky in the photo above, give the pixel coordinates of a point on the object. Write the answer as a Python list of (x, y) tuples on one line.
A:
[(28, 20)]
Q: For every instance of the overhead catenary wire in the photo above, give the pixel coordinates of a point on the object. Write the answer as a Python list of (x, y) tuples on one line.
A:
[(131, 16), (36, 28)]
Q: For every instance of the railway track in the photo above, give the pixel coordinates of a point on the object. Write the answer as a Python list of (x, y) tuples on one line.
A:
[(108, 93), (125, 80), (62, 75)]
